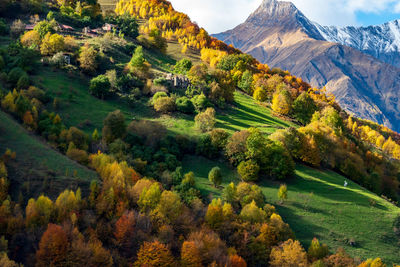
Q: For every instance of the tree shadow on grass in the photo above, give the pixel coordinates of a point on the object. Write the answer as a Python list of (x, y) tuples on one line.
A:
[(303, 229)]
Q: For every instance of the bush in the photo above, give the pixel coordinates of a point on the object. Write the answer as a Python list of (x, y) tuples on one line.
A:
[(205, 121), (100, 86), (215, 176), (159, 95), (78, 155), (164, 104), (248, 170), (200, 102), (184, 105), (183, 66)]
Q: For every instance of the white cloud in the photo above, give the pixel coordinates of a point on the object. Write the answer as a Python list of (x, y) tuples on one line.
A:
[(397, 8), (217, 15), (220, 15)]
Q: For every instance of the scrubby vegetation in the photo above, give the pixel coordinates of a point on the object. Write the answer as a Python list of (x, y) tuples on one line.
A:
[(119, 103)]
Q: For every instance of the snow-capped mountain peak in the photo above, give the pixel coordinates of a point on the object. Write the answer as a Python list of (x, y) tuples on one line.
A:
[(381, 41)]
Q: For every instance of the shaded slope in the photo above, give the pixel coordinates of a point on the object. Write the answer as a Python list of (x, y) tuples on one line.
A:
[(39, 168)]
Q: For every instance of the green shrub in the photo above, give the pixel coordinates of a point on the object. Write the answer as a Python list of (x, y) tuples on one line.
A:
[(164, 104), (100, 86), (184, 105), (248, 170), (159, 95), (200, 102), (160, 81), (183, 66), (215, 176)]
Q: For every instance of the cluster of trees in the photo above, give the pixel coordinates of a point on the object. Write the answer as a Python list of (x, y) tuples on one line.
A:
[(327, 142), (130, 219), (78, 13), (169, 23)]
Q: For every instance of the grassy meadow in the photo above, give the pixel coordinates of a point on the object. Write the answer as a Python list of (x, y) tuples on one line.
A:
[(320, 206)]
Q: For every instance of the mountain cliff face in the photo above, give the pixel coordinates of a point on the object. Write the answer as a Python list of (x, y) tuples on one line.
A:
[(381, 41), (278, 34)]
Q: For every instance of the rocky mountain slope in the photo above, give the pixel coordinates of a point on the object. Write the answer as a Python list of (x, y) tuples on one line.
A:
[(381, 41), (278, 34)]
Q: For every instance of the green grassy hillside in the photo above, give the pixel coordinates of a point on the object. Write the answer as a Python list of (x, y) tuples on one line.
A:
[(39, 168), (320, 206)]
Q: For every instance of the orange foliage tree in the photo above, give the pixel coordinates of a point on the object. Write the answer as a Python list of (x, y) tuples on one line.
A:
[(52, 247), (154, 254)]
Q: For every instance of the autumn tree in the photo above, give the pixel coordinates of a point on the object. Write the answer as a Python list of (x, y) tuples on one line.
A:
[(246, 193), (30, 39), (149, 198), (205, 121), (340, 258), (236, 147), (51, 44), (316, 251), (214, 215), (288, 254), (282, 193), (88, 58), (164, 104), (39, 212), (372, 263), (215, 176), (236, 261), (210, 246), (248, 170), (53, 247), (252, 213), (154, 254), (169, 207), (190, 255), (282, 102), (114, 126), (124, 231), (260, 94)]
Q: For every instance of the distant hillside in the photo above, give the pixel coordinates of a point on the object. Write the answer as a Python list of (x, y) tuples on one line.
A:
[(278, 34)]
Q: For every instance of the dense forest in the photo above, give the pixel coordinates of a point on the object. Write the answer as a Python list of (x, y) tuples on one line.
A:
[(143, 208)]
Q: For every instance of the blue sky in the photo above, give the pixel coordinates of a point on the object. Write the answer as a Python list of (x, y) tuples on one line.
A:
[(220, 15)]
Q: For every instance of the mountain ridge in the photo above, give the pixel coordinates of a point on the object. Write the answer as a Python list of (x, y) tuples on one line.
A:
[(279, 34)]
